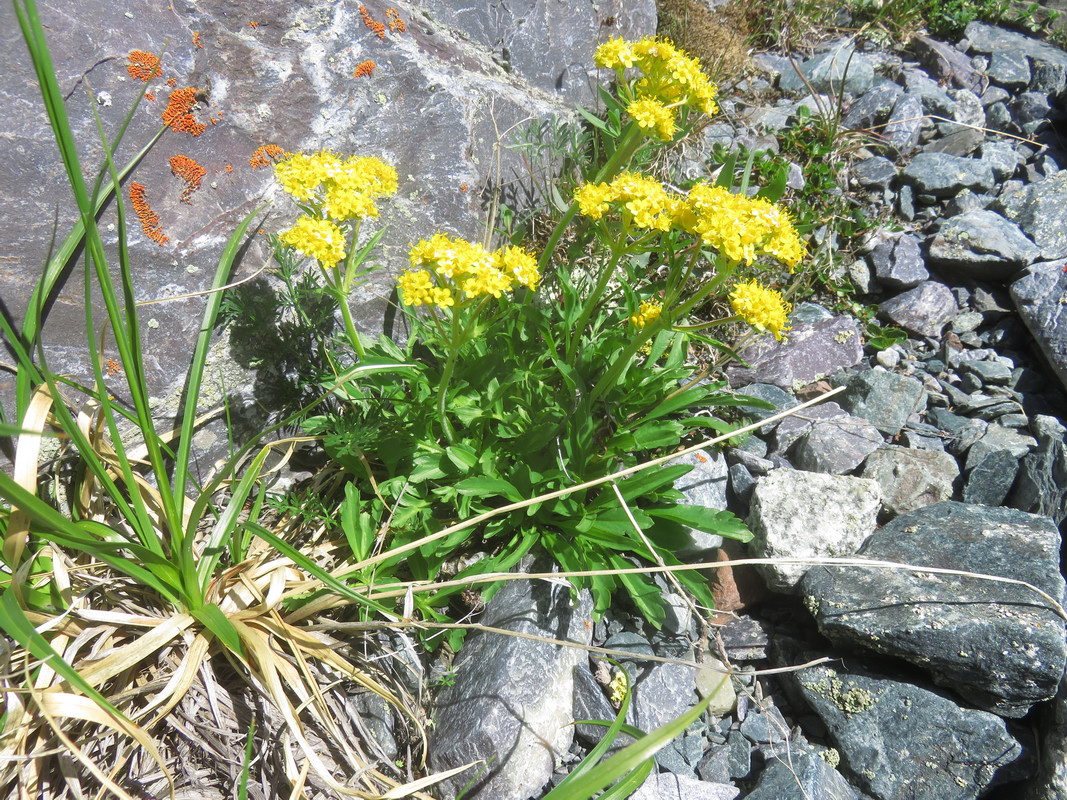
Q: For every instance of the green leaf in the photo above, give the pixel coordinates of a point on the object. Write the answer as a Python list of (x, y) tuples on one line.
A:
[(666, 433), (485, 486), (212, 618), (709, 520), (357, 526), (462, 455)]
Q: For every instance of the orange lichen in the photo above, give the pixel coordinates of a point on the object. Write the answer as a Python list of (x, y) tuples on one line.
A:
[(253, 24), (178, 114), (199, 45), (112, 367), (149, 219), (364, 69), (189, 171), (149, 95), (396, 25), (229, 167), (172, 82), (371, 23), (143, 66), (265, 156)]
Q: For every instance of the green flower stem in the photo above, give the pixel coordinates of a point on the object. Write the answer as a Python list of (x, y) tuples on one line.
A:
[(574, 337), (344, 288), (459, 336), (629, 143)]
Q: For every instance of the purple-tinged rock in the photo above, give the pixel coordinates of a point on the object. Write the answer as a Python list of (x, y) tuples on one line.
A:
[(885, 399), (924, 310), (809, 352), (911, 479), (898, 262)]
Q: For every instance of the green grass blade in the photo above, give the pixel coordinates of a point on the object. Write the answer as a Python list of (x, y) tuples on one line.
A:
[(200, 352), (211, 617)]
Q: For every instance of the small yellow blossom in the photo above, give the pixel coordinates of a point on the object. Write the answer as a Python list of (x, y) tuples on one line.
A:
[(762, 308), (615, 53), (653, 116), (320, 239), (594, 199), (443, 266), (647, 314), (345, 189), (618, 687), (643, 201)]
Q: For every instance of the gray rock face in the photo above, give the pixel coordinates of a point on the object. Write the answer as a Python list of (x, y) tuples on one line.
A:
[(511, 702), (876, 172), (999, 645), (1041, 486), (810, 352), (898, 262), (429, 109), (787, 524), (885, 399), (840, 67), (792, 428), (873, 107), (911, 479), (924, 310), (836, 446), (905, 124), (990, 480), (803, 775), (944, 175), (1040, 210), (1044, 58), (1040, 297), (1001, 157), (704, 486), (982, 245), (901, 740), (665, 786), (1051, 781)]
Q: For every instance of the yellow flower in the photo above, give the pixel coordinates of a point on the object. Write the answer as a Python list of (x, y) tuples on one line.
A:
[(647, 314), (300, 174), (348, 188), (458, 265), (653, 116), (416, 288), (594, 199), (614, 54), (320, 239), (762, 308), (519, 264), (617, 688)]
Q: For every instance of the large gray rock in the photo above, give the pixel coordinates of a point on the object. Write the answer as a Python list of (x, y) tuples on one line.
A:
[(873, 107), (787, 524), (944, 175), (1048, 63), (885, 399), (801, 774), (901, 740), (440, 91), (911, 479), (1040, 210), (1040, 296), (830, 72), (925, 310), (1051, 780), (981, 245), (809, 352), (836, 446), (898, 262), (665, 786), (999, 645), (704, 486), (511, 703)]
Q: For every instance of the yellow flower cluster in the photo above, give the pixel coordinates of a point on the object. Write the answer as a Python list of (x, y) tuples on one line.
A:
[(320, 239), (647, 314), (741, 227), (762, 308), (670, 80), (345, 188), (443, 266), (643, 201)]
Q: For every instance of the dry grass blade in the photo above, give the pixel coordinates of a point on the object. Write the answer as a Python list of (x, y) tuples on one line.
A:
[(27, 458)]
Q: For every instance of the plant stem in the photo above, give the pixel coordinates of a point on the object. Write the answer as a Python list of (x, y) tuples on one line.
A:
[(574, 337)]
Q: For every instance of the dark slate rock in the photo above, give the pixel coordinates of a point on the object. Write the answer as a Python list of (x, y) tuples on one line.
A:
[(994, 94), (885, 399), (840, 67), (943, 175), (727, 762), (997, 438), (991, 39), (906, 203), (705, 485), (836, 446), (998, 118), (810, 352), (1049, 78), (901, 740), (875, 173), (1040, 209), (1051, 781), (809, 313), (590, 703), (511, 703), (990, 480), (911, 479), (1030, 111), (969, 111), (905, 124), (1009, 68), (945, 63), (960, 142), (873, 107), (993, 373), (765, 725), (1001, 157), (789, 431), (742, 482), (998, 645), (935, 99), (1041, 485), (982, 245), (1039, 296), (924, 310), (801, 775), (744, 639), (898, 262), (768, 392)]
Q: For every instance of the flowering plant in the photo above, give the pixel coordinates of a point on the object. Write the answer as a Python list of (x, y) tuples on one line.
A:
[(540, 371)]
